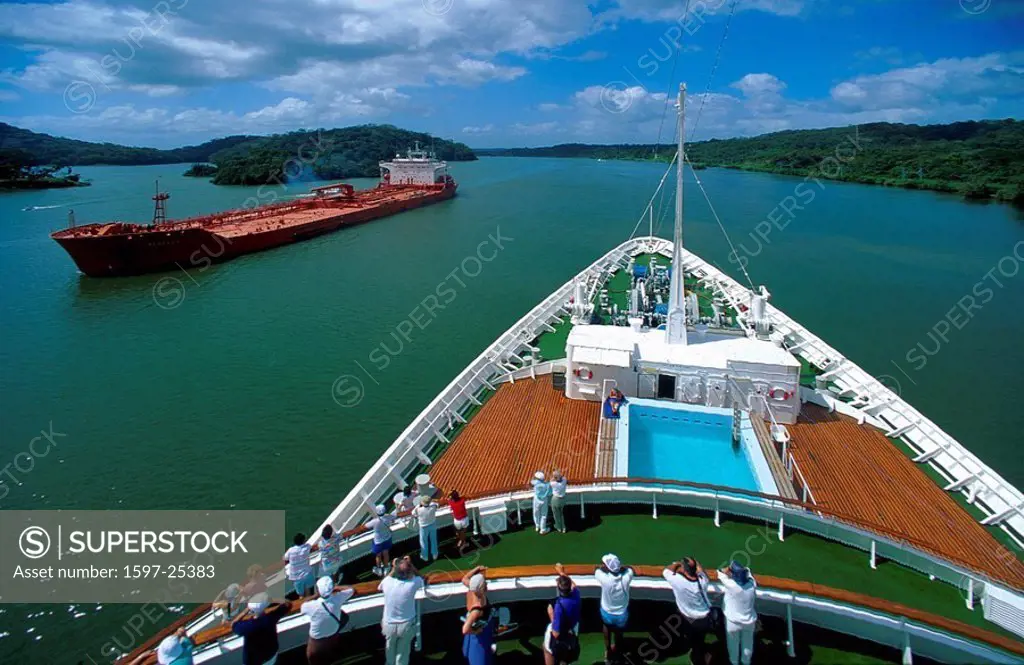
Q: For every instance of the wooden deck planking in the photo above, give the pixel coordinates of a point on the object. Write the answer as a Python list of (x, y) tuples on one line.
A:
[(527, 426), (856, 470)]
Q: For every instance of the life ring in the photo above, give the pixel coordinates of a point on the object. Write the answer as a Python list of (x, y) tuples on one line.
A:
[(583, 373), (780, 394)]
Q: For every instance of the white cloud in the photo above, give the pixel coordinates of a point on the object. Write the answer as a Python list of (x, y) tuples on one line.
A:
[(759, 84), (960, 80), (942, 91), (485, 129)]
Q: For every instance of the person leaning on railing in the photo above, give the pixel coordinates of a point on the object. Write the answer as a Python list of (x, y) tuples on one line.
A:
[(561, 644), (479, 624), (614, 579), (689, 585), (327, 620), (740, 617), (559, 486), (258, 630), (399, 621)]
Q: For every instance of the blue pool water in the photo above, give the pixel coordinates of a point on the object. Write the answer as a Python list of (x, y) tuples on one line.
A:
[(687, 445)]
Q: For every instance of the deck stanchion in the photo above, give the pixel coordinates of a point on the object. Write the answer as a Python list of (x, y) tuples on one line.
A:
[(476, 521), (970, 593), (908, 654), (519, 512), (718, 521), (583, 510), (654, 502), (782, 535), (874, 563), (791, 644)]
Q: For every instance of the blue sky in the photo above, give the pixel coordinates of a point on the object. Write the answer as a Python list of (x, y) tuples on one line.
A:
[(501, 73)]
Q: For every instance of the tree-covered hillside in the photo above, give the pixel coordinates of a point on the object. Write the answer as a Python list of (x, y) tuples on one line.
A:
[(326, 154), (58, 151), (976, 159), (240, 160)]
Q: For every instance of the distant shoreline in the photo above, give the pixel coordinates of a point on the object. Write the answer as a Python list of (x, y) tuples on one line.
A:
[(41, 183)]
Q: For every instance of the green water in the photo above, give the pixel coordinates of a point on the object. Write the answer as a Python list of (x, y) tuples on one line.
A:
[(226, 399)]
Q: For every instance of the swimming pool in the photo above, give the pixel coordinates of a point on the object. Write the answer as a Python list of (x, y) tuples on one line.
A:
[(693, 443)]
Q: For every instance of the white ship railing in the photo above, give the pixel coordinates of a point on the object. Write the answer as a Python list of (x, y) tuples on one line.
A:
[(492, 513), (774, 598), (1000, 502)]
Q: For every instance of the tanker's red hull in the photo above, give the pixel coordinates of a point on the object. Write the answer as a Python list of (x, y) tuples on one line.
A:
[(112, 250)]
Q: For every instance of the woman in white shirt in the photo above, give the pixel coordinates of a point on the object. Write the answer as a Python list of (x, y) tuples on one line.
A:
[(426, 515), (740, 616), (381, 526), (614, 579), (326, 621), (559, 484), (298, 569)]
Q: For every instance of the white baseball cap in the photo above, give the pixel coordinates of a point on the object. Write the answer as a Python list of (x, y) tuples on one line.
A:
[(259, 602), (611, 562), (324, 586), (539, 475), (169, 649), (380, 509)]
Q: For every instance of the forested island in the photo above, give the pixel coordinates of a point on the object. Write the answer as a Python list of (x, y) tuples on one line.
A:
[(980, 160), (200, 170), (19, 170), (326, 154)]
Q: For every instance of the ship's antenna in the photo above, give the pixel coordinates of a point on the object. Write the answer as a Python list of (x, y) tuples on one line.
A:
[(71, 219), (675, 332), (160, 205)]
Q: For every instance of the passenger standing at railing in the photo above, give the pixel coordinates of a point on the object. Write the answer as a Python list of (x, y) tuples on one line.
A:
[(614, 579), (399, 621), (175, 649), (381, 526), (689, 585), (740, 616), (330, 553), (559, 485), (541, 502), (480, 621), (561, 643), (327, 620), (460, 518), (426, 516), (258, 630), (298, 569)]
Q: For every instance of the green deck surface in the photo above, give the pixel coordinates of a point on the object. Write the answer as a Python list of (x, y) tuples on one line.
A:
[(552, 344), (639, 539)]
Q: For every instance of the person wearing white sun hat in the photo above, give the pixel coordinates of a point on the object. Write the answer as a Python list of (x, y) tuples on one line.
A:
[(614, 579), (541, 502), (258, 630), (426, 516), (327, 620), (175, 649)]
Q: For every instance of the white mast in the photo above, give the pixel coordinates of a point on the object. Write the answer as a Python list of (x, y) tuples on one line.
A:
[(676, 327)]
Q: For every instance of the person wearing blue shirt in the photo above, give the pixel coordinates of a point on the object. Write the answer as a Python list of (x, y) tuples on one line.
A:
[(258, 630), (564, 612)]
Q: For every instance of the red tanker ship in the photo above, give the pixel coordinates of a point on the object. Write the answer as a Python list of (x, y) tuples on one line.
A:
[(118, 248)]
